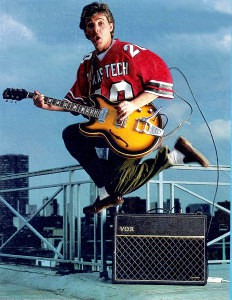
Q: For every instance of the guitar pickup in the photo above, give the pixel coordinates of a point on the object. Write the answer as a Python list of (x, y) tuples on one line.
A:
[(102, 115)]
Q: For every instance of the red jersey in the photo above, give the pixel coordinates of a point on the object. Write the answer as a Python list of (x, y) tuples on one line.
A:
[(123, 72)]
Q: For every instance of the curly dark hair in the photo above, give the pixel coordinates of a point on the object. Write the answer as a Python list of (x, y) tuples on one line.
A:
[(94, 8)]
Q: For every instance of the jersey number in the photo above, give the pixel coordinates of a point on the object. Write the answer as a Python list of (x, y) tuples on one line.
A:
[(120, 88)]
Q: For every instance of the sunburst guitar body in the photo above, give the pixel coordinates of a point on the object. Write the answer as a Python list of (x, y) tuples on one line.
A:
[(137, 136)]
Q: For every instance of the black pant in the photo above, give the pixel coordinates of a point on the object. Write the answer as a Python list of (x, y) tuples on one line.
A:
[(118, 174)]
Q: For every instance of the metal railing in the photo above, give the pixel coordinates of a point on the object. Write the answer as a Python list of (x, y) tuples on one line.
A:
[(73, 191)]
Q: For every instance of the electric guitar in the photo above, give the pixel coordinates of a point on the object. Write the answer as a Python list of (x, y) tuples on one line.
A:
[(136, 136)]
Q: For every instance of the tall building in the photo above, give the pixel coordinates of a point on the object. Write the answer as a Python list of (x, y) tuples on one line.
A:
[(11, 164)]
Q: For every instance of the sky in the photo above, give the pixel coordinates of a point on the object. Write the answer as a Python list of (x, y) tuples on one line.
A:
[(41, 47)]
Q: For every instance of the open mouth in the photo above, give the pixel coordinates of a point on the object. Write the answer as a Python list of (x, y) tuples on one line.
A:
[(96, 38)]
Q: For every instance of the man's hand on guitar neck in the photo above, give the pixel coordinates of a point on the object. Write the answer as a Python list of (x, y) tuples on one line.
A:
[(39, 102)]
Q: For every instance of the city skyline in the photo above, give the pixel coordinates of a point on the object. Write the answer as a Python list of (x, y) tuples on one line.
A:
[(16, 196)]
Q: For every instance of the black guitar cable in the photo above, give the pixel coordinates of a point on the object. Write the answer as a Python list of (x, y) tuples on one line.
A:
[(212, 137)]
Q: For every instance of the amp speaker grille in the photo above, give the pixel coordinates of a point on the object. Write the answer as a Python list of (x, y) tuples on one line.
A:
[(154, 258)]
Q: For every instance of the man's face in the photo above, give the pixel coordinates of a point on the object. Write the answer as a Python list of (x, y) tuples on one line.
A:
[(98, 31)]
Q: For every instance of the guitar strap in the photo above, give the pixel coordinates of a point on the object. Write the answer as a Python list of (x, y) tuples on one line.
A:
[(91, 70)]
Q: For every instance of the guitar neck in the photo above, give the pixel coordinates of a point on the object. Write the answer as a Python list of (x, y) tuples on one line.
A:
[(71, 106)]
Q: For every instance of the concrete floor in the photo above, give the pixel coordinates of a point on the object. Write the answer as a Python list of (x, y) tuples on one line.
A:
[(25, 282)]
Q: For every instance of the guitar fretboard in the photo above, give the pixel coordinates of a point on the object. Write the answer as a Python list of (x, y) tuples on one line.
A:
[(71, 106)]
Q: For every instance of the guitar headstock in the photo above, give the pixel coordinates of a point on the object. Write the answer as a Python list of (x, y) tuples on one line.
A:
[(15, 94)]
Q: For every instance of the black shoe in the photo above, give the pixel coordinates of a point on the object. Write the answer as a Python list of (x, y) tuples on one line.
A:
[(99, 205), (191, 154)]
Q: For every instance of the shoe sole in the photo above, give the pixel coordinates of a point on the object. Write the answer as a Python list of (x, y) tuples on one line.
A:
[(118, 201), (101, 205), (198, 155)]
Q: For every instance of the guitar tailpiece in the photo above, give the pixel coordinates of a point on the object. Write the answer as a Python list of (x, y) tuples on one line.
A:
[(144, 126)]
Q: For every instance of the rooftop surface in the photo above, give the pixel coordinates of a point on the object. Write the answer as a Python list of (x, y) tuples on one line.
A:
[(25, 282)]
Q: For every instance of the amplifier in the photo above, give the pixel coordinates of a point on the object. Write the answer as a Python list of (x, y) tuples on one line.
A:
[(160, 249)]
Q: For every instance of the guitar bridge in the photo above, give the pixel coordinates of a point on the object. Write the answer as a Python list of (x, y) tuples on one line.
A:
[(121, 123)]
